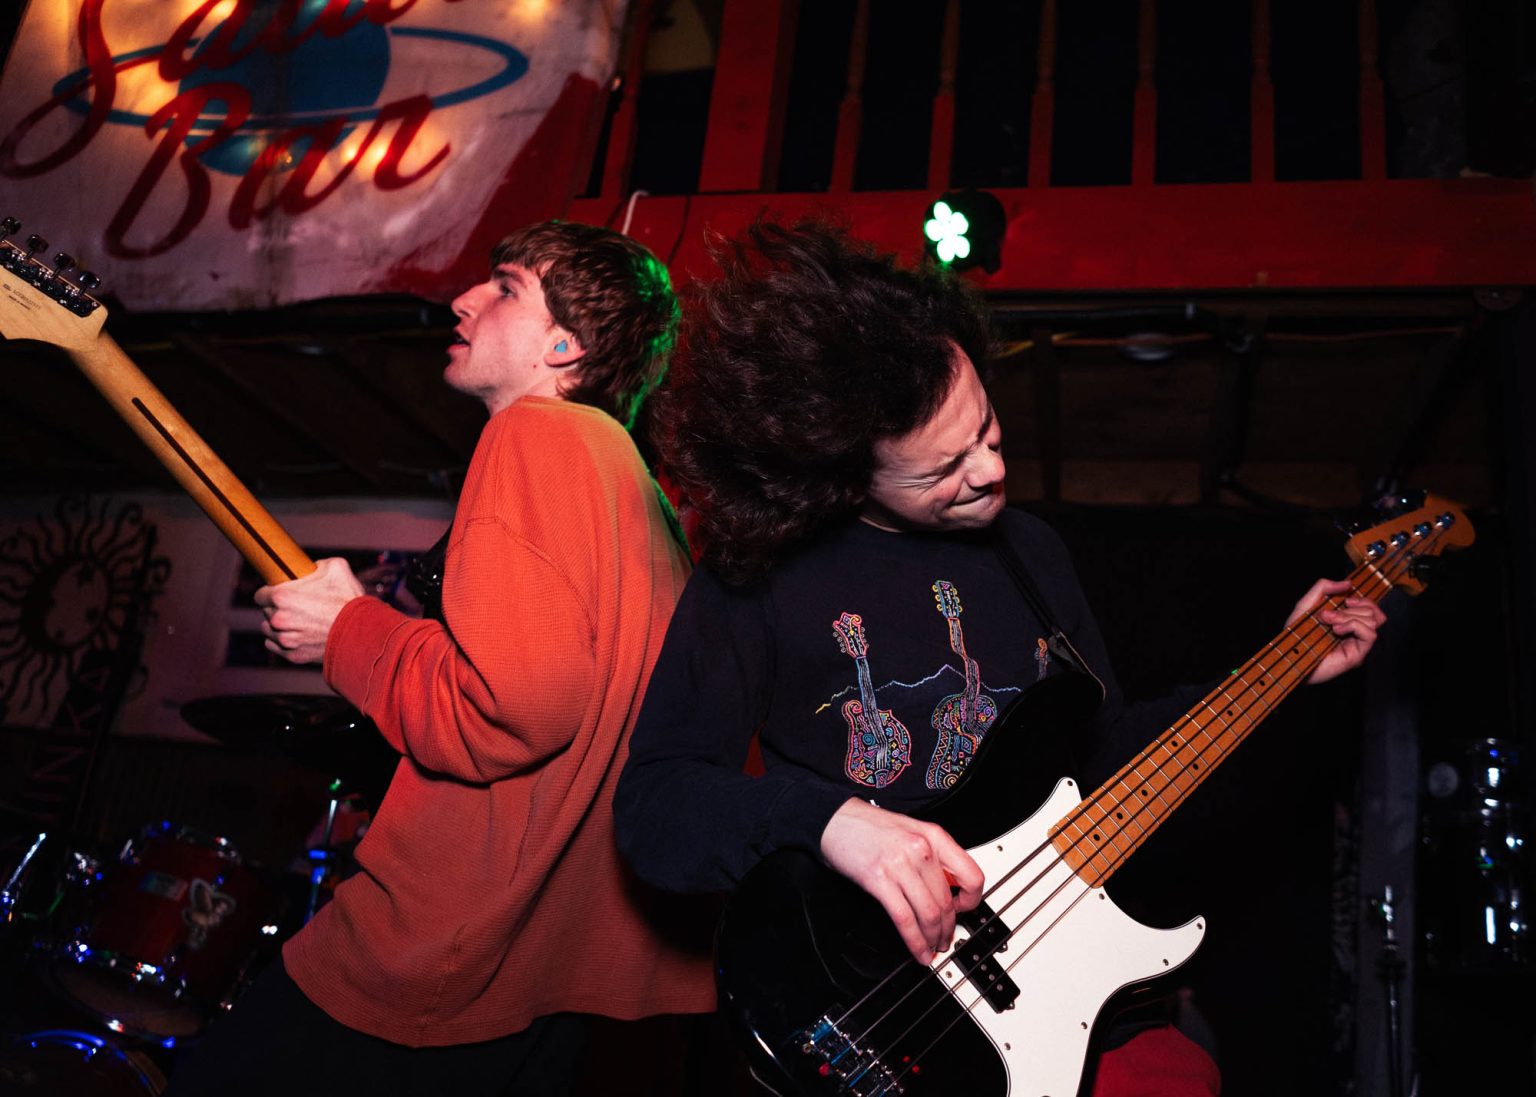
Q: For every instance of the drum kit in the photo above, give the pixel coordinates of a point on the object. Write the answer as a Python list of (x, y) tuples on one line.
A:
[(114, 959)]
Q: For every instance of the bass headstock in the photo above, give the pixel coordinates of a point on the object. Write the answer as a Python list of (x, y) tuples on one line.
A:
[(1407, 530), (51, 304)]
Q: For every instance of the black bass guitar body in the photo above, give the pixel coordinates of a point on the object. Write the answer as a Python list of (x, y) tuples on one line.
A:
[(832, 1002)]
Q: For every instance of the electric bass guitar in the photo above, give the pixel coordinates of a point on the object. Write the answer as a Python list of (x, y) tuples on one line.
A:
[(833, 1009), (44, 303)]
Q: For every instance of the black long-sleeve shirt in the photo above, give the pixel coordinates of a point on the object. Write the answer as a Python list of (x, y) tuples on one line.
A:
[(847, 663)]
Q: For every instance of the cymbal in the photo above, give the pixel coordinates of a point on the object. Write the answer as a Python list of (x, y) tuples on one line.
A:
[(240, 718), (317, 730)]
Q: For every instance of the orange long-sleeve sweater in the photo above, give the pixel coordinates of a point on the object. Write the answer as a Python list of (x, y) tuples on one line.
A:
[(490, 890)]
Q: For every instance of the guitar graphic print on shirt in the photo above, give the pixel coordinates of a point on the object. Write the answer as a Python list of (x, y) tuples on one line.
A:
[(961, 719), (879, 745)]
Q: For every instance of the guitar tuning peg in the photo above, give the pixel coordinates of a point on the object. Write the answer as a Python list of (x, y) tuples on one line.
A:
[(35, 244), (88, 280), (8, 226), (63, 263)]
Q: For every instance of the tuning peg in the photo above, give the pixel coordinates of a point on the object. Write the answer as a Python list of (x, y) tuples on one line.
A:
[(8, 226), (35, 244), (63, 263), (87, 280)]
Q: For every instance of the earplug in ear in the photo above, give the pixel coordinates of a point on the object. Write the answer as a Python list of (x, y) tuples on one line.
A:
[(561, 347)]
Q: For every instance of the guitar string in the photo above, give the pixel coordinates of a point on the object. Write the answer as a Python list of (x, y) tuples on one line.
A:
[(1366, 573), (1145, 755)]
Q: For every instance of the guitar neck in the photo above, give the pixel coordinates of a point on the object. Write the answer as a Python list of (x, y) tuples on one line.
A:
[(1111, 824), (253, 531)]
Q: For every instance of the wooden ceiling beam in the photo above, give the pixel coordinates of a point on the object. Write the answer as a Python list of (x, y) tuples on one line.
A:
[(367, 366), (81, 429), (294, 406)]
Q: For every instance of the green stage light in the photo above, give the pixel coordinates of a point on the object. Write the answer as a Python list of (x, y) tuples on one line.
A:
[(946, 230), (964, 229)]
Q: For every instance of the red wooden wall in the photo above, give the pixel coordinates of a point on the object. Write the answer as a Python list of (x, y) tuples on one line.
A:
[(1372, 232)]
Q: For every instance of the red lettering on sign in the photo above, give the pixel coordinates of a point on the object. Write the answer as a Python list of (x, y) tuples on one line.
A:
[(294, 197), (178, 116), (189, 50), (102, 83), (280, 35), (412, 113)]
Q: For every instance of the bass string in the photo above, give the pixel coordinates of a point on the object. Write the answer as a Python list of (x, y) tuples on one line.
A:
[(999, 883), (1398, 562), (1026, 922), (1366, 571), (1143, 756)]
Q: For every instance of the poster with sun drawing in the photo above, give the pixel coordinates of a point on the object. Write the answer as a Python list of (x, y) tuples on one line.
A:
[(73, 582), (246, 153)]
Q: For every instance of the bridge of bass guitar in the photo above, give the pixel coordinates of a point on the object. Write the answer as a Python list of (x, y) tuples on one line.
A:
[(832, 1002)]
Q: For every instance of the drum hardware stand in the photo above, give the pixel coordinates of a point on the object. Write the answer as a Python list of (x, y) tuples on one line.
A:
[(10, 894), (1391, 967), (329, 857), (323, 856)]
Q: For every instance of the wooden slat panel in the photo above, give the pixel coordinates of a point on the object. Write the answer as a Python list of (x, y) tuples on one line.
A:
[(1042, 111), (746, 105), (1373, 121), (621, 135), (1261, 105), (941, 143), (84, 435), (850, 113), (1144, 127)]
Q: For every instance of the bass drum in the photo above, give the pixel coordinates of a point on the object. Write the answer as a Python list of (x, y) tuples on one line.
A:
[(170, 933), (66, 1063)]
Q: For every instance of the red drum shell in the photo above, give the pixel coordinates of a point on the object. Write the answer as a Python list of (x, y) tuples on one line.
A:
[(169, 933)]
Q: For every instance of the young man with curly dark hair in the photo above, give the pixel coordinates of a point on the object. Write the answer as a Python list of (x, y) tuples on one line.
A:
[(856, 608), (490, 910)]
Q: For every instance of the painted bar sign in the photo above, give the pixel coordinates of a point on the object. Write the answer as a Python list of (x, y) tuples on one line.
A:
[(246, 153)]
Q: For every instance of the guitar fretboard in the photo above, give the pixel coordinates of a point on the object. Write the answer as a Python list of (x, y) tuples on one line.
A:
[(1097, 837)]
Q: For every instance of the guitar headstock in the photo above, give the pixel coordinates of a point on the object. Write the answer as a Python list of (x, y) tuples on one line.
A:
[(42, 302), (1419, 526), (948, 598), (849, 628)]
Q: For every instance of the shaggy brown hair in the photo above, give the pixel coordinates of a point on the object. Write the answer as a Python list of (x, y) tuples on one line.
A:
[(809, 349), (617, 299)]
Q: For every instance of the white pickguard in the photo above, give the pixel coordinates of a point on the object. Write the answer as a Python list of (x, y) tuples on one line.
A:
[(1067, 957)]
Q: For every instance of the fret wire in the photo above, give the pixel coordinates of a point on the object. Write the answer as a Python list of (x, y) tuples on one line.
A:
[(1279, 666)]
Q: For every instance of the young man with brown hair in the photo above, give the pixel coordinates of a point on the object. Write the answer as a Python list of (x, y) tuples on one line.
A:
[(490, 909)]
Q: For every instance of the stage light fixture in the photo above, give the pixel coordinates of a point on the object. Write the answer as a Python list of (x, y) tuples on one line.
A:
[(964, 229)]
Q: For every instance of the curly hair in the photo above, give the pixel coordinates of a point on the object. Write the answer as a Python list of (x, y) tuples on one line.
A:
[(809, 349), (617, 299)]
